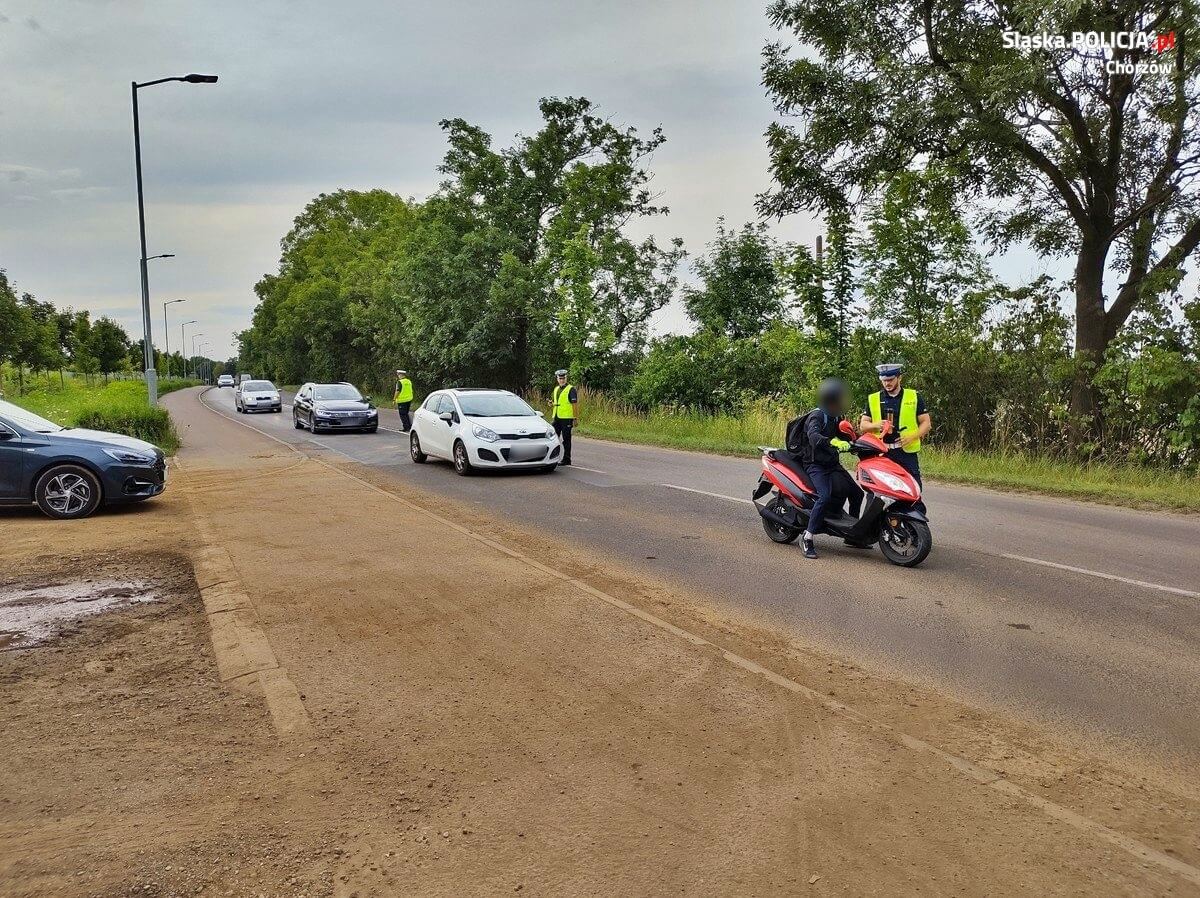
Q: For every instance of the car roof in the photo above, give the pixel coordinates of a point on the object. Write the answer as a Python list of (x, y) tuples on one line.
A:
[(457, 390)]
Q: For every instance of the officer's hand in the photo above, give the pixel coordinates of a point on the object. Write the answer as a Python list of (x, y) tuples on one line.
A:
[(840, 445), (907, 441)]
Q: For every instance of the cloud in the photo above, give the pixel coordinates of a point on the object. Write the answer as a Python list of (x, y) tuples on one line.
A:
[(33, 24)]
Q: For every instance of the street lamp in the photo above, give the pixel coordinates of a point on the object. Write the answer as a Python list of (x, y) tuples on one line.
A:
[(203, 361), (166, 334), (148, 342), (183, 343), (195, 365)]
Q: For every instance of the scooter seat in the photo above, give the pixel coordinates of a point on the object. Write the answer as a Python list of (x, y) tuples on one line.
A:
[(792, 463)]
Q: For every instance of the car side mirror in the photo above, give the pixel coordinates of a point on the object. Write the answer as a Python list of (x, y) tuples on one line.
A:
[(540, 414), (446, 416), (367, 400)]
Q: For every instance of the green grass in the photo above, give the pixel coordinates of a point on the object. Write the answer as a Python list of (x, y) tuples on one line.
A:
[(606, 418), (118, 407)]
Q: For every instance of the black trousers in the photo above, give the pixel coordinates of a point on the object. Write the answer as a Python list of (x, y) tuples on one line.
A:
[(834, 487), (563, 427), (405, 421)]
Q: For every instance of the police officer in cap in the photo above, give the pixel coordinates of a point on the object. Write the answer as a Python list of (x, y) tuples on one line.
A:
[(905, 409), (565, 406), (403, 397)]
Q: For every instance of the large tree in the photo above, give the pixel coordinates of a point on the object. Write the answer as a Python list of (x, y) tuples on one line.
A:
[(742, 290), (1075, 150)]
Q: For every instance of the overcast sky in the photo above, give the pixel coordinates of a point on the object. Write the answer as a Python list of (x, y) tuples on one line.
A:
[(321, 95)]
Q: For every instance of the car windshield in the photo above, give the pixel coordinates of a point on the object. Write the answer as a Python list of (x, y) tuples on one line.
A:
[(259, 385), (494, 405), (326, 392), (26, 420)]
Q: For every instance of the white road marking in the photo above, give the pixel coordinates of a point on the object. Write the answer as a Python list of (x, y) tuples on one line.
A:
[(982, 775), (589, 470), (1104, 576), (688, 489)]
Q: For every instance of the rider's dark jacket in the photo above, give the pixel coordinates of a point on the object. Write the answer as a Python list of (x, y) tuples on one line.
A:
[(808, 438)]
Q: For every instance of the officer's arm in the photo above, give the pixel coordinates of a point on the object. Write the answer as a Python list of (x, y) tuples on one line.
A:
[(924, 425), (866, 425)]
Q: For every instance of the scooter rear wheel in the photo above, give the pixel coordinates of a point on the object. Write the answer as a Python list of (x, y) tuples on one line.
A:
[(906, 544), (779, 533)]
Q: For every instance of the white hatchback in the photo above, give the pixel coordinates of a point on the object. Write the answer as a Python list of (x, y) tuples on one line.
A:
[(257, 396), (477, 428)]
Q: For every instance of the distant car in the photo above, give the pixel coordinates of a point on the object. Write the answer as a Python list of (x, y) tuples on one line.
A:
[(225, 380), (476, 428), (242, 378), (256, 396), (69, 472), (333, 407)]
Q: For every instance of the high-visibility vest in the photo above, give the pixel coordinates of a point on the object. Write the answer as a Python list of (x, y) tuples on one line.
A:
[(404, 391), (562, 403), (908, 414)]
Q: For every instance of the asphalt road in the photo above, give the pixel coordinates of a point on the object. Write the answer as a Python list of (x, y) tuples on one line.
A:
[(1081, 616)]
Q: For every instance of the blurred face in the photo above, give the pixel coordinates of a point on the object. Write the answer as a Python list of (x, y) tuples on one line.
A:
[(890, 384), (562, 380)]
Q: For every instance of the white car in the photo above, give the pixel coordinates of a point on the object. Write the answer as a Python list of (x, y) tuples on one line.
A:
[(257, 396), (225, 380), (477, 428)]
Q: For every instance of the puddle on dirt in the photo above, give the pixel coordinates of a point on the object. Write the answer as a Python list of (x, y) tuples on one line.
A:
[(33, 614)]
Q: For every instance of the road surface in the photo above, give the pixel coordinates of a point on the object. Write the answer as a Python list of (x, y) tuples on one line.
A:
[(1082, 617)]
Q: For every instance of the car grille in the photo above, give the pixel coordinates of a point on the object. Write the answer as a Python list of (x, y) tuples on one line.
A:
[(537, 435)]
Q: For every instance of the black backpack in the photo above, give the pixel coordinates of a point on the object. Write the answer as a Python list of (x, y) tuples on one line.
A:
[(797, 440)]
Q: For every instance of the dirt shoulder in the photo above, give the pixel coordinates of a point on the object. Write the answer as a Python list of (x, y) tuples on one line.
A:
[(477, 725)]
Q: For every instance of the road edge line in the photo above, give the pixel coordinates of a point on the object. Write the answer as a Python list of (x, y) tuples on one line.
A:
[(989, 778)]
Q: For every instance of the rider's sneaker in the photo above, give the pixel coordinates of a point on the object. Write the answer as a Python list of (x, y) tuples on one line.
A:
[(810, 549)]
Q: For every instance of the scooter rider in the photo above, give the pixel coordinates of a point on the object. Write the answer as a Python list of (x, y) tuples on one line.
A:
[(819, 448)]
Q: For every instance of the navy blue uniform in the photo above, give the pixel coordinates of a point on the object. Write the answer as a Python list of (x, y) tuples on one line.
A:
[(889, 408)]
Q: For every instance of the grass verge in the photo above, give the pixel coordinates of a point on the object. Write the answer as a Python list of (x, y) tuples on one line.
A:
[(1127, 485), (118, 407)]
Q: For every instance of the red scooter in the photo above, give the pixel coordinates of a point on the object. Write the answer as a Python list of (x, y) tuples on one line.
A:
[(888, 516)]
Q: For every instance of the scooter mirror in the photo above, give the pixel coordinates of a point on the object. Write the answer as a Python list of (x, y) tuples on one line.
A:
[(847, 430)]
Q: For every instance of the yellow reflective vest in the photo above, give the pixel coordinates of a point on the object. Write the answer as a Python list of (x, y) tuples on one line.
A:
[(404, 391), (561, 403), (908, 413)]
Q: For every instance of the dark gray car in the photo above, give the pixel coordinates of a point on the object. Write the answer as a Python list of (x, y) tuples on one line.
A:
[(69, 472)]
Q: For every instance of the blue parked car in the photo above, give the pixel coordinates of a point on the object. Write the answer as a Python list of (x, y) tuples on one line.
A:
[(69, 472)]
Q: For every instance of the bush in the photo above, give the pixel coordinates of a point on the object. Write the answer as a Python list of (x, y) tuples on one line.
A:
[(118, 407)]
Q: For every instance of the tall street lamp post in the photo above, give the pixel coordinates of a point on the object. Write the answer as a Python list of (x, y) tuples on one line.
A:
[(148, 342), (183, 343), (195, 363), (166, 334)]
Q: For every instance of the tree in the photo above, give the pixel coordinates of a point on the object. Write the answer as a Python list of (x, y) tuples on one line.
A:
[(15, 325), (524, 249), (109, 345), (742, 292), (1070, 148), (918, 258)]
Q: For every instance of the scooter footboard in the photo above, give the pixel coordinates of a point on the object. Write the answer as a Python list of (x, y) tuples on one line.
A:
[(867, 528)]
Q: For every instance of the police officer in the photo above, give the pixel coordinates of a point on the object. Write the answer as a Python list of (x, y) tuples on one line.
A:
[(905, 409), (832, 482), (403, 397), (565, 405)]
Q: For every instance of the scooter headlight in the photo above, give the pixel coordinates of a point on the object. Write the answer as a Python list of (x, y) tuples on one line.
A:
[(892, 482)]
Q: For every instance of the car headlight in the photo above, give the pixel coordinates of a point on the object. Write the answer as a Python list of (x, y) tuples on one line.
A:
[(129, 456), (484, 433), (372, 413), (549, 434), (892, 482)]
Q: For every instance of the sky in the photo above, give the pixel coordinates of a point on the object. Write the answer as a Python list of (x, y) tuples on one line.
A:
[(317, 96)]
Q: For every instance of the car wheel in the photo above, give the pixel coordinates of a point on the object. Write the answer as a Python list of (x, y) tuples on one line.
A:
[(296, 423), (67, 491), (414, 449), (462, 464), (312, 426)]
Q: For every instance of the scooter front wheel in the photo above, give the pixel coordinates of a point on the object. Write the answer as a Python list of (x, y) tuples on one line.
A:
[(779, 533), (906, 543)]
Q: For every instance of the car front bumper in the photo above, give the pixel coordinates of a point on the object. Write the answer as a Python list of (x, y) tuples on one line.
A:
[(133, 483), (516, 453), (359, 422), (259, 405)]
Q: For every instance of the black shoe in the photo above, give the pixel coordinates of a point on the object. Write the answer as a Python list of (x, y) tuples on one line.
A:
[(810, 549)]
